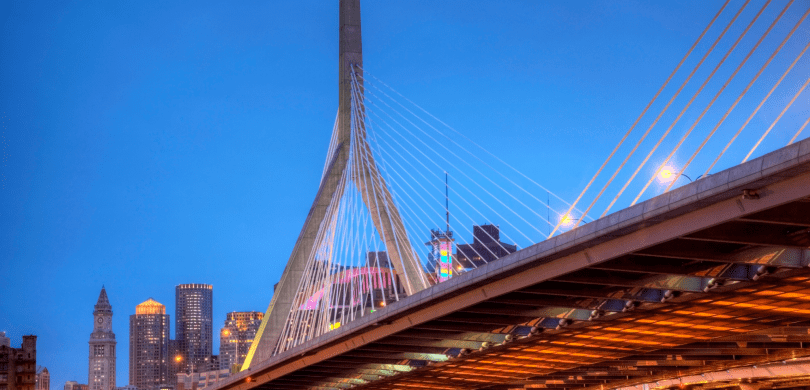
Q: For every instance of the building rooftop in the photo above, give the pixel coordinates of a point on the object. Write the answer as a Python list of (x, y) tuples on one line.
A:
[(150, 306)]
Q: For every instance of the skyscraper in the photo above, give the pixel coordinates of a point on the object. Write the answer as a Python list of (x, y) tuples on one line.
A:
[(194, 325), (101, 368), (149, 332), (235, 337)]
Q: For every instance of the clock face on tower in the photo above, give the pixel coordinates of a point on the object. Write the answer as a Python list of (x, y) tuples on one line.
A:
[(100, 319)]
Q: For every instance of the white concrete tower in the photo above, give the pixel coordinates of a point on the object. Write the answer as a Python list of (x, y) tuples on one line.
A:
[(101, 370)]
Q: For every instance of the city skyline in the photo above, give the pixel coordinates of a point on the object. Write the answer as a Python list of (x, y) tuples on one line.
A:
[(143, 146)]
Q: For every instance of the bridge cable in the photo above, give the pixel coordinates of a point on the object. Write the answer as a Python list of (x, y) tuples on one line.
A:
[(777, 120), (694, 70), (763, 99), (383, 198), (334, 257), (305, 284), (390, 179), (470, 165), (314, 274), (462, 186), (719, 64), (800, 130), (459, 146), (339, 267), (426, 156), (366, 151), (424, 201), (388, 198), (407, 193), (456, 205), (747, 87), (331, 150), (467, 176), (630, 130), (468, 139), (414, 158), (362, 169)]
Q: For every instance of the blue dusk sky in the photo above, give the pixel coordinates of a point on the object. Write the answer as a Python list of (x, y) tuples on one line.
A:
[(148, 144)]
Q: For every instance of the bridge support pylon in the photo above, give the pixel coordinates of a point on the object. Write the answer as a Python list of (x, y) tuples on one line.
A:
[(383, 212)]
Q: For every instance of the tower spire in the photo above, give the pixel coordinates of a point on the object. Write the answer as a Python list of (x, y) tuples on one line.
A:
[(103, 304)]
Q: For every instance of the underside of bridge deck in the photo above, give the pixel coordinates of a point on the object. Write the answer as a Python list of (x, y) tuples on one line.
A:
[(689, 297), (706, 302)]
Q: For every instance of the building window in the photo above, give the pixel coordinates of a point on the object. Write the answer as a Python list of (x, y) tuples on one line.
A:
[(98, 350)]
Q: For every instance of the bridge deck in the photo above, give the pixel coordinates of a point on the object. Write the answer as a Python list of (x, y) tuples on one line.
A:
[(696, 280)]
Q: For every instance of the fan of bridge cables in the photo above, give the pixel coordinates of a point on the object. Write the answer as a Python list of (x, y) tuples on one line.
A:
[(420, 203), (417, 204), (743, 97)]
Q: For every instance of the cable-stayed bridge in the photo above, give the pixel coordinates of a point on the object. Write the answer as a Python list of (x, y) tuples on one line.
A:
[(697, 275)]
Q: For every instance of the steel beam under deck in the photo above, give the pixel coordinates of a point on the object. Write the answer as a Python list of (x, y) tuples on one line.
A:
[(693, 281)]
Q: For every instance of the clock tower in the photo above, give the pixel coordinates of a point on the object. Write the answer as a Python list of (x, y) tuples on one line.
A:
[(101, 371)]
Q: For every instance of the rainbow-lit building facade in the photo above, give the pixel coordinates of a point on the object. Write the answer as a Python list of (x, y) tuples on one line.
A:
[(441, 254)]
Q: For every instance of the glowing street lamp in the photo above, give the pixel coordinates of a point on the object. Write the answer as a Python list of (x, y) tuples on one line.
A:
[(178, 358), (566, 221), (667, 175)]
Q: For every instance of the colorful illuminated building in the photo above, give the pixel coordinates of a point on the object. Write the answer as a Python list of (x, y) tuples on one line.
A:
[(441, 254)]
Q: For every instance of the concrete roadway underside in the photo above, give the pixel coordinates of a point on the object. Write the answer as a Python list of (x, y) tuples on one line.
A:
[(708, 281)]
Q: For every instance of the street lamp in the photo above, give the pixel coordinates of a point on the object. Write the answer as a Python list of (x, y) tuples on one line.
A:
[(570, 221), (667, 175)]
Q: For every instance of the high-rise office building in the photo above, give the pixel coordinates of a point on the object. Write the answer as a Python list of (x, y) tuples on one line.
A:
[(236, 336), (194, 326), (43, 381), (101, 368), (149, 359), (18, 365)]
